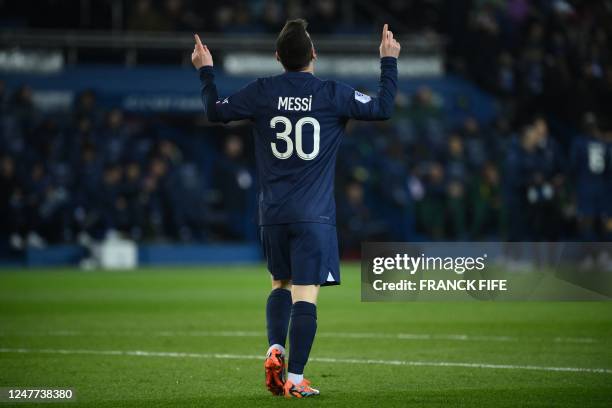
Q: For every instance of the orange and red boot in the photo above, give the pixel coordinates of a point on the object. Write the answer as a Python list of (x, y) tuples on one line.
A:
[(275, 371), (301, 390)]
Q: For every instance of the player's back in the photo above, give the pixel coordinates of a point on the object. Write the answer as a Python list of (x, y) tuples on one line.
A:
[(299, 120), (298, 129)]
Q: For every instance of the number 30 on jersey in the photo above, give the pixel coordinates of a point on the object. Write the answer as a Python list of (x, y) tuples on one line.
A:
[(284, 136)]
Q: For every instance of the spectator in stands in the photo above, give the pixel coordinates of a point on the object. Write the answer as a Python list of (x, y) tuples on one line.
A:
[(591, 173), (233, 181), (356, 221), (272, 16), (36, 186), (506, 77), (432, 208), (11, 202), (607, 131), (86, 107), (426, 116), (485, 204), (151, 204), (534, 185), (457, 179), (295, 9), (518, 166), (88, 177), (475, 144), (181, 18), (238, 18), (324, 18), (396, 205), (3, 96), (130, 191), (545, 185), (110, 204), (146, 17), (21, 108), (113, 139), (499, 136)]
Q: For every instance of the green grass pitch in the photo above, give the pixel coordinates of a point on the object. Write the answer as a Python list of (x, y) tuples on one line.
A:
[(188, 337)]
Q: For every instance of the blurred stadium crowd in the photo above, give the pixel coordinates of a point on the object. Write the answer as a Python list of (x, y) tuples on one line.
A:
[(83, 174), (232, 17), (542, 170)]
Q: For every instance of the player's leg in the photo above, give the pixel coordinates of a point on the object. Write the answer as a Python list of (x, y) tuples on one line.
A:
[(314, 263), (278, 306), (278, 312), (301, 337)]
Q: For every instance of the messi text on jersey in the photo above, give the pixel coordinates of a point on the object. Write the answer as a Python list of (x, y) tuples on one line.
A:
[(291, 103)]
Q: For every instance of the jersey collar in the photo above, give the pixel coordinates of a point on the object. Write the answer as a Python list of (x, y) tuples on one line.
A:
[(298, 74)]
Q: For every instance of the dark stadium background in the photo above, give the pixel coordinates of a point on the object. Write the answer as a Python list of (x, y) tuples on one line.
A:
[(502, 132), (101, 132)]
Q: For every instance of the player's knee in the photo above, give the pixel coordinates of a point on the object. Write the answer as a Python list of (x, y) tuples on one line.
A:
[(281, 284), (305, 293)]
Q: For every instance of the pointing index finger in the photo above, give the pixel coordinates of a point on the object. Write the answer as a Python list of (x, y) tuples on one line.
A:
[(384, 31), (197, 40)]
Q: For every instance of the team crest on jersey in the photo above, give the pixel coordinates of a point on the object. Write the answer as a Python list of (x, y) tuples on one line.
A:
[(363, 98)]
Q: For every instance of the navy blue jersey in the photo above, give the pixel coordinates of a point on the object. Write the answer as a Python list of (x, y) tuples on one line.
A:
[(299, 121), (590, 164)]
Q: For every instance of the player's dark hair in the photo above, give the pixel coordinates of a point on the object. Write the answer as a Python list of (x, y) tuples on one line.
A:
[(293, 45)]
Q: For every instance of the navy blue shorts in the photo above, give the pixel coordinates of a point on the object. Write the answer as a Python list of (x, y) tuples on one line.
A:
[(305, 253)]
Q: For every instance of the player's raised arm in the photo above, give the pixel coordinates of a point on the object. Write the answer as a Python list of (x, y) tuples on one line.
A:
[(236, 107), (201, 56), (389, 47), (354, 104)]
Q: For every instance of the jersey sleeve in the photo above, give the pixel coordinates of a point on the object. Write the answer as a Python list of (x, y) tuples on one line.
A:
[(353, 104), (238, 106)]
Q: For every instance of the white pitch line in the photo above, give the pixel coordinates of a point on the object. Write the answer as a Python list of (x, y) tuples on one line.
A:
[(141, 353), (337, 335)]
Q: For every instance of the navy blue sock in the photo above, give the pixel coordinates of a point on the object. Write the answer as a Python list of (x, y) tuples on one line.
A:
[(301, 335), (278, 311)]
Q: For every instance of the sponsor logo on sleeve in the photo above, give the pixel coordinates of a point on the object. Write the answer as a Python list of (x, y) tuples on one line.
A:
[(363, 98)]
